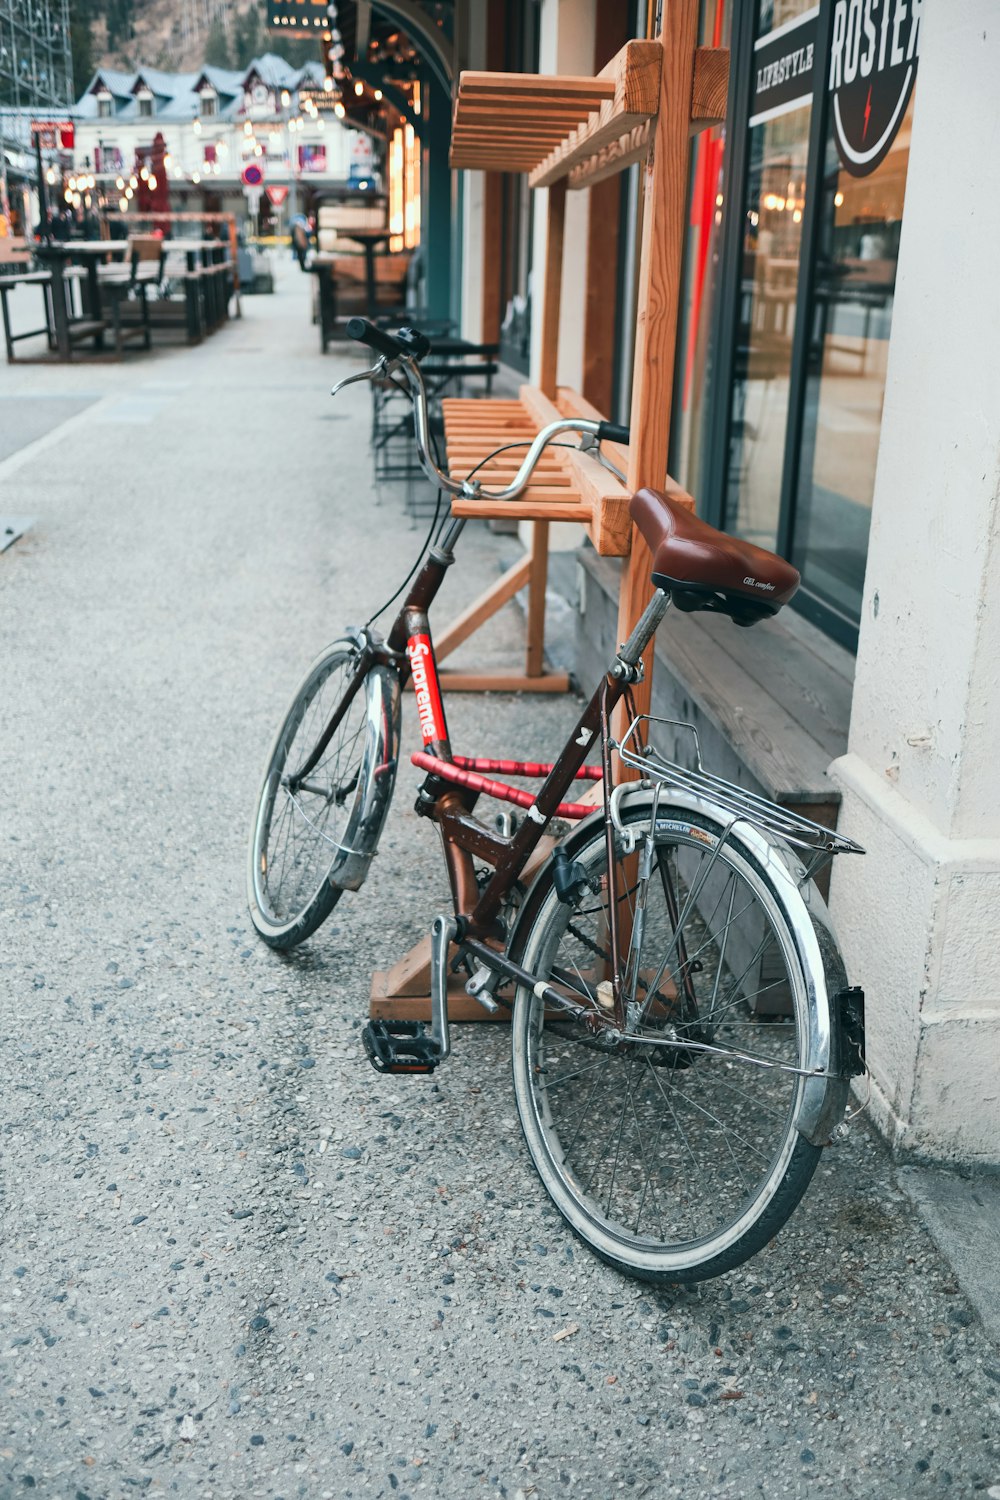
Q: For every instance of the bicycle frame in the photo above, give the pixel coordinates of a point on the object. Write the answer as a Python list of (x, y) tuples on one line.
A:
[(453, 783)]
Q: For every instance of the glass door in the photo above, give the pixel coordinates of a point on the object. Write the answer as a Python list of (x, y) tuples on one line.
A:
[(768, 275), (855, 277), (809, 270)]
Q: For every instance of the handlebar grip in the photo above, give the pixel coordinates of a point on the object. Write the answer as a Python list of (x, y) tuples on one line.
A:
[(366, 333), (610, 432)]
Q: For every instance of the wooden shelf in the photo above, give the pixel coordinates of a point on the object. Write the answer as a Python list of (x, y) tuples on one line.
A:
[(578, 129)]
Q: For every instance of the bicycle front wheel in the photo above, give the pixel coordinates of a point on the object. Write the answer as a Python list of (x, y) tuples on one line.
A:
[(674, 1152), (324, 796)]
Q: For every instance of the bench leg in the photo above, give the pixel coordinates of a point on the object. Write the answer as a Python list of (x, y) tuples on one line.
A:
[(193, 310), (6, 326)]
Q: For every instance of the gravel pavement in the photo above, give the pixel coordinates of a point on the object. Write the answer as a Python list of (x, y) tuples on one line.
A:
[(233, 1261)]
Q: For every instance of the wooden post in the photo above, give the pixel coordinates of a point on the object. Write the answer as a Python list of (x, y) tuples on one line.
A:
[(664, 210), (538, 577), (552, 293)]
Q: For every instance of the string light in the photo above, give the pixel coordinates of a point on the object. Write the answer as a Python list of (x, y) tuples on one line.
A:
[(339, 110), (359, 88), (122, 205)]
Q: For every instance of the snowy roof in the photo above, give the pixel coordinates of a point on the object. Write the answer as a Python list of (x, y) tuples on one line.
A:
[(177, 94)]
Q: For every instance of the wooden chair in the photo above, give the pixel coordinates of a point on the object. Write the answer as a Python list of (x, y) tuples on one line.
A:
[(141, 269), (15, 270)]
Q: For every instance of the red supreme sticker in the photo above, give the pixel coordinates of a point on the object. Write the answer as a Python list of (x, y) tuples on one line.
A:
[(430, 709)]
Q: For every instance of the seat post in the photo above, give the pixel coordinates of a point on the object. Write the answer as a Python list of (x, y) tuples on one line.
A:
[(631, 650)]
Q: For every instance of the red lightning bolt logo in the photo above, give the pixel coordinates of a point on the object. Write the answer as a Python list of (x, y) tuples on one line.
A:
[(868, 110)]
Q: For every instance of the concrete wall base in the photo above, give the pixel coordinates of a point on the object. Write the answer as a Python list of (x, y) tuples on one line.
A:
[(917, 919)]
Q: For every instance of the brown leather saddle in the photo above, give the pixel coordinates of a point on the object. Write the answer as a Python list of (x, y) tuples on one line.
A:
[(702, 568)]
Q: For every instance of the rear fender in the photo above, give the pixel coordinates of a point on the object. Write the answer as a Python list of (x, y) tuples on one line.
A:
[(822, 1099)]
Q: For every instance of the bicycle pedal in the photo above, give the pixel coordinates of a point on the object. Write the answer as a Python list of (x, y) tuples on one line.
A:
[(400, 1047)]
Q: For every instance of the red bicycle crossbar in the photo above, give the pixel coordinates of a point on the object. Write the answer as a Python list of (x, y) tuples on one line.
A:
[(455, 771)]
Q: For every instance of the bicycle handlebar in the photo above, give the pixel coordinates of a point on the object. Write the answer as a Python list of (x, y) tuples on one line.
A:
[(407, 343), (402, 352)]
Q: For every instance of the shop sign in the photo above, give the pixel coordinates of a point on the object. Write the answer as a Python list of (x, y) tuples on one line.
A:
[(874, 48), (54, 134), (319, 98), (783, 65)]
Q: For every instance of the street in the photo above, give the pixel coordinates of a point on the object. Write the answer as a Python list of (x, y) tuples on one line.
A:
[(234, 1262)]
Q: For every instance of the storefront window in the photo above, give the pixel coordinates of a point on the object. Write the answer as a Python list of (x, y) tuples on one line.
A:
[(849, 345), (774, 200)]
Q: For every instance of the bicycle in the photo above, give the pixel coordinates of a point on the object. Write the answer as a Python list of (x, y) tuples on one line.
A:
[(683, 1032)]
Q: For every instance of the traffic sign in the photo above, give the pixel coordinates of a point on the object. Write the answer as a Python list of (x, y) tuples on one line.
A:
[(253, 175), (277, 195)]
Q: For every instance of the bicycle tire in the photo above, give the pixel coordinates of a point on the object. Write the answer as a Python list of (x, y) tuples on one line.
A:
[(307, 848), (673, 1166)]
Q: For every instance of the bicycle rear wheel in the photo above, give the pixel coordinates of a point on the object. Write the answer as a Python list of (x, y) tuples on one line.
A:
[(314, 834), (675, 1155)]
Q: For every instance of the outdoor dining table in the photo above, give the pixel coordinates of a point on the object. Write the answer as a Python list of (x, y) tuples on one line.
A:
[(55, 256)]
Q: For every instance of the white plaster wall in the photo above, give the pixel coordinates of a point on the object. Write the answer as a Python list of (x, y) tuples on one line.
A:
[(566, 45), (919, 915), (927, 698), (471, 322), (472, 256)]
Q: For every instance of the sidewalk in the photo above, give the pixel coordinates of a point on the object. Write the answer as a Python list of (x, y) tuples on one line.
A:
[(234, 1261)]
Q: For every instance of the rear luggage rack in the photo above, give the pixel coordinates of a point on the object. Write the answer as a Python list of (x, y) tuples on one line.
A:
[(742, 805)]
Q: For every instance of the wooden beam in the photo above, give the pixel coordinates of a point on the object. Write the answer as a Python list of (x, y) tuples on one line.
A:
[(709, 88), (660, 290), (504, 682), (538, 561), (535, 86), (552, 294), (635, 72), (469, 621), (614, 158)]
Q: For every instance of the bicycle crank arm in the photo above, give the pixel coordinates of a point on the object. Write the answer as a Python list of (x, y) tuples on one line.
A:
[(407, 1046)]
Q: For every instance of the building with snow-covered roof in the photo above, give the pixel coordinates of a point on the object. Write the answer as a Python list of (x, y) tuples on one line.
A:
[(215, 122)]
